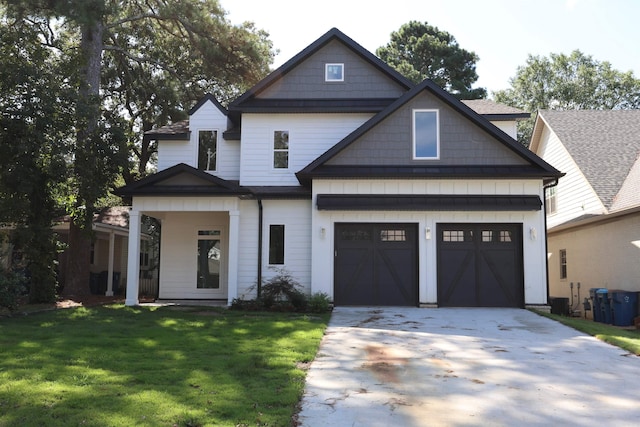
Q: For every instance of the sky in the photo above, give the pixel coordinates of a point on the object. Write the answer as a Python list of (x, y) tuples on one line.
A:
[(501, 32)]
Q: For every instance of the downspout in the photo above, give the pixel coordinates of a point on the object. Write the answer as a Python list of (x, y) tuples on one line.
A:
[(259, 280), (546, 238)]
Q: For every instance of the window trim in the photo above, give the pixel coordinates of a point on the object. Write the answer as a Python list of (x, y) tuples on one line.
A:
[(326, 72), (279, 257), (414, 134), (275, 150), (562, 255), (217, 140), (551, 200)]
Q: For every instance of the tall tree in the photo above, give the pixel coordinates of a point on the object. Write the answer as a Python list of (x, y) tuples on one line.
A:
[(36, 119), (418, 51), (139, 62), (568, 82)]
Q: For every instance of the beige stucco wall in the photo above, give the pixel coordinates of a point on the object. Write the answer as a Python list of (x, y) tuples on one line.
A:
[(603, 255)]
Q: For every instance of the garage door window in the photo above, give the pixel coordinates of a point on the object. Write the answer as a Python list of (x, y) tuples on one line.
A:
[(355, 235), (454, 236), (393, 235)]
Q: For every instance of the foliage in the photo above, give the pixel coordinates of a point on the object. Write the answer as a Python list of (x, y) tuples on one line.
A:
[(319, 302), (568, 82), (418, 51), (12, 287), (180, 366)]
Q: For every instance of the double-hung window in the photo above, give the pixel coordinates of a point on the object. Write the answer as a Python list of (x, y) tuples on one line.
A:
[(426, 134), (281, 149), (207, 149), (563, 264)]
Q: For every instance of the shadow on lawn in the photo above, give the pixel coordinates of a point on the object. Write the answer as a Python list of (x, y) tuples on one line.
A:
[(117, 365)]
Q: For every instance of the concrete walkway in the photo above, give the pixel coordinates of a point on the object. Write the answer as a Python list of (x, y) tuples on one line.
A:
[(466, 367)]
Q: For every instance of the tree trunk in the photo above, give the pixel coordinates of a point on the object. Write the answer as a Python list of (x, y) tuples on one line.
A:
[(88, 113)]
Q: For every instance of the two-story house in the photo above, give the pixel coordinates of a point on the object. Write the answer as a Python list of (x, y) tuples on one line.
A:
[(359, 183), (594, 212)]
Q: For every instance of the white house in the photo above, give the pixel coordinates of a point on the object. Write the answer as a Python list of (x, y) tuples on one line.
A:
[(359, 183), (593, 214)]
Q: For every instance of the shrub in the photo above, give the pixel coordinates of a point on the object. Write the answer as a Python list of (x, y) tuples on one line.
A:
[(319, 302), (12, 287), (283, 288)]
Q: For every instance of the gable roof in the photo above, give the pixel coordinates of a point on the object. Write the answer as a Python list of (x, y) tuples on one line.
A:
[(537, 167), (194, 182), (494, 111), (248, 99), (605, 144)]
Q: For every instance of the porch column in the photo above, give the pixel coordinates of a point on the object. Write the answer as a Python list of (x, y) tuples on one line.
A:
[(133, 260), (234, 237), (112, 240)]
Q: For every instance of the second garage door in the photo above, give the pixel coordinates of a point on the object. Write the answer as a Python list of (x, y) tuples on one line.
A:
[(376, 264), (480, 265)]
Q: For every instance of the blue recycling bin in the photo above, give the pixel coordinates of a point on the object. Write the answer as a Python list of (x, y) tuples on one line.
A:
[(624, 307), (602, 295), (595, 305)]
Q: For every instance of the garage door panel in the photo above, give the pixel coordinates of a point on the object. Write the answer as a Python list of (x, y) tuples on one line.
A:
[(375, 264), (480, 265)]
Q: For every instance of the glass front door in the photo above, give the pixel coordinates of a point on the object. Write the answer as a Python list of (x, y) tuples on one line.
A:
[(209, 255)]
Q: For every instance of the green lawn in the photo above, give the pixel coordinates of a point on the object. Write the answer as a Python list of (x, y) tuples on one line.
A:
[(625, 338), (169, 366)]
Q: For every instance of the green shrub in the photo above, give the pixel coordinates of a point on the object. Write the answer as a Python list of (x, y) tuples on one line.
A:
[(12, 287), (319, 302)]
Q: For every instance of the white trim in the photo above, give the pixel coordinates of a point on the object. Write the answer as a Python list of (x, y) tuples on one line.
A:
[(221, 291), (274, 149), (326, 72), (413, 132)]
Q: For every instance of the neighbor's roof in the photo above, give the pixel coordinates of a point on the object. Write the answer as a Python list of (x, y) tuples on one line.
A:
[(605, 144), (492, 110), (177, 130)]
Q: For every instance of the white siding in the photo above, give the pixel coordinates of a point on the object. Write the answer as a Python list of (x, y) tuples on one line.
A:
[(535, 283), (207, 117), (508, 127), (575, 196), (248, 261), (310, 135)]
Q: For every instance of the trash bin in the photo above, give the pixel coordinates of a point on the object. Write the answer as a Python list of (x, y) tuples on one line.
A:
[(624, 307), (116, 282), (595, 305), (94, 279), (602, 295)]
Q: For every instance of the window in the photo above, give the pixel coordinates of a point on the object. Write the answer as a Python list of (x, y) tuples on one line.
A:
[(207, 144), (563, 263), (209, 255), (281, 149), (453, 236), (334, 72), (393, 235), (276, 244), (426, 134), (551, 202), (145, 250), (505, 236)]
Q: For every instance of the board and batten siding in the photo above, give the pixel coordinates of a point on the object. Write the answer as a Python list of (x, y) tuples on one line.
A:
[(574, 195), (310, 135), (532, 224)]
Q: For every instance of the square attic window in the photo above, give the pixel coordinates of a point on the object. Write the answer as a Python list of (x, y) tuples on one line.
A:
[(334, 72)]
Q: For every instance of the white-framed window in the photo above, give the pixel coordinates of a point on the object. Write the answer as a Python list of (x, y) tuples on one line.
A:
[(207, 149), (334, 72), (280, 149), (426, 134), (563, 264), (551, 200)]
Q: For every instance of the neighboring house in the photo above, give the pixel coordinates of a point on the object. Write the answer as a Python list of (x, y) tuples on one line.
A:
[(593, 215), (357, 182)]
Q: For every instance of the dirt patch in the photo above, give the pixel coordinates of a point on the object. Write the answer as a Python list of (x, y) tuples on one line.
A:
[(385, 363)]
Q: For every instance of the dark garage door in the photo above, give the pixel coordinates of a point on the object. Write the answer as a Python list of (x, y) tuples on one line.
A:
[(376, 264), (480, 265)]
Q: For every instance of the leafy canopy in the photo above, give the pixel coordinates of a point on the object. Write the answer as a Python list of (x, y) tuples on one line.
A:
[(418, 51)]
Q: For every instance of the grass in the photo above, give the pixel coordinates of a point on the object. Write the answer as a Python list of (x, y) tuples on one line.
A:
[(627, 339), (124, 366)]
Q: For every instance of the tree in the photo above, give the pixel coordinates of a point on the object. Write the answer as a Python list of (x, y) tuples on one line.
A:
[(418, 51), (568, 82), (35, 139), (138, 63)]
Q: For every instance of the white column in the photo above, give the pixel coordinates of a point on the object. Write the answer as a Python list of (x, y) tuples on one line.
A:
[(133, 261), (234, 237), (112, 239)]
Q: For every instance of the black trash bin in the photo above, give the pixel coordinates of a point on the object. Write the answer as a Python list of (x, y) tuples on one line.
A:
[(94, 280), (602, 295), (116, 282), (624, 307), (595, 305)]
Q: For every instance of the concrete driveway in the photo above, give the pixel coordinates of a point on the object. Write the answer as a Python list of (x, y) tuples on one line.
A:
[(466, 367)]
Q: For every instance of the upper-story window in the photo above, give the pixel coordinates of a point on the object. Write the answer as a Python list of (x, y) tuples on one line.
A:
[(426, 134), (207, 147), (551, 200), (334, 72), (281, 149)]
